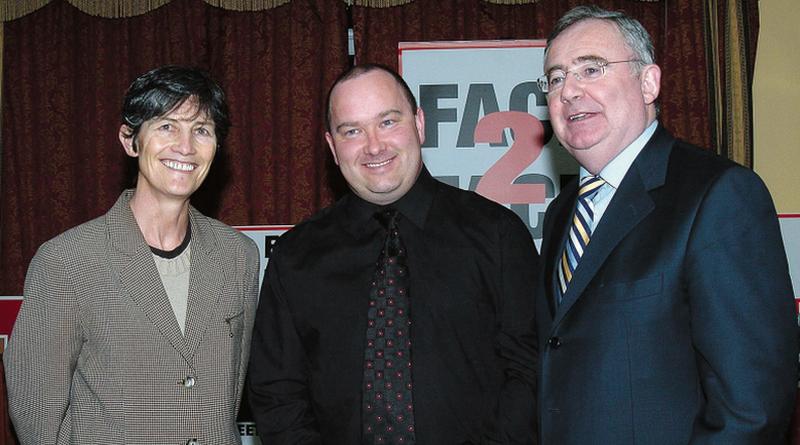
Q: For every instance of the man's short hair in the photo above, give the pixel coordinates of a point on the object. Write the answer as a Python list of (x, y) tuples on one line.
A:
[(636, 37), (360, 70), (161, 90)]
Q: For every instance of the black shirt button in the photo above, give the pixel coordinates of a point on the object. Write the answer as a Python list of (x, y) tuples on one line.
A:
[(554, 342)]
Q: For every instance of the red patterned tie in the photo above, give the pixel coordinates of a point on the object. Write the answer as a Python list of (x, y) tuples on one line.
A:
[(387, 409)]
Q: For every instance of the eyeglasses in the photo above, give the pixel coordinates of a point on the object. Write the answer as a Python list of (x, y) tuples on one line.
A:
[(588, 72)]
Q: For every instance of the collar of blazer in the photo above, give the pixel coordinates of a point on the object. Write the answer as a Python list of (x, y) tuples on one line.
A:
[(134, 269), (125, 235)]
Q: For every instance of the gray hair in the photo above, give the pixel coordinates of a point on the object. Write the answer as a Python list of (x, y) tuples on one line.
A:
[(636, 37)]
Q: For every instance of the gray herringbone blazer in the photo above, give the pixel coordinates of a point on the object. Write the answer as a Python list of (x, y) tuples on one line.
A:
[(96, 355)]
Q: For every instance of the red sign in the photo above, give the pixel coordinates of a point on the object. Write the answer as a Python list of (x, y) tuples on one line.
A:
[(9, 306)]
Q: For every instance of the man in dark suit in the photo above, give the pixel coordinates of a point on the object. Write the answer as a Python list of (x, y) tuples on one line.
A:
[(463, 296), (677, 324)]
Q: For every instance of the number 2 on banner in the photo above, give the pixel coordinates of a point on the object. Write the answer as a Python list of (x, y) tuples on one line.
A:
[(497, 183)]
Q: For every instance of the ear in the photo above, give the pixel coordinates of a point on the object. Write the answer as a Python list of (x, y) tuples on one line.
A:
[(329, 138), (419, 118), (127, 142), (651, 83)]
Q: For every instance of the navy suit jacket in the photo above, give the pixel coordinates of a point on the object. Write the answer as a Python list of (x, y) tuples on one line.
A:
[(678, 326)]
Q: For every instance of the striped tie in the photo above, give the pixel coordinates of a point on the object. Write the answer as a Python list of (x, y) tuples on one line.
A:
[(580, 231)]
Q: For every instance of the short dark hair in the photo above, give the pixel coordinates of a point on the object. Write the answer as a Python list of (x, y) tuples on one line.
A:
[(161, 90), (360, 70), (635, 35)]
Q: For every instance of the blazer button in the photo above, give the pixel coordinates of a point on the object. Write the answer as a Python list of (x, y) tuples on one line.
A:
[(554, 342), (188, 382), (192, 442)]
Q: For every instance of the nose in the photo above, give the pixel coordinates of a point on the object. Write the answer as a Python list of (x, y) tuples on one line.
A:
[(572, 88), (374, 143), (185, 143)]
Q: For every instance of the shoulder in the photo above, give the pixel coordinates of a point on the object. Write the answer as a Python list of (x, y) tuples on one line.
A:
[(79, 240), (79, 250), (694, 170), (470, 207), (229, 239), (458, 214), (325, 224), (693, 159), (720, 198)]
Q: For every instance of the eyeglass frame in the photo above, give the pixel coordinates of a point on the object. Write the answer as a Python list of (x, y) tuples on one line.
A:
[(544, 83)]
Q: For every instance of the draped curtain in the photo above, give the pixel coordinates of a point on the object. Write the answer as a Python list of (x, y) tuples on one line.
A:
[(731, 36), (65, 73)]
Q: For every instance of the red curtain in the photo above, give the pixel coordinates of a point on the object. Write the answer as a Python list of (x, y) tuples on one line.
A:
[(676, 27), (65, 74)]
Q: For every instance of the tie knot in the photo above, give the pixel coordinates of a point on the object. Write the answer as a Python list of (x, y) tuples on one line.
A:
[(388, 217), (589, 186)]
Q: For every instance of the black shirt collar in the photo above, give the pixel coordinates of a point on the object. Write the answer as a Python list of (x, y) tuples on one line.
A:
[(170, 254), (359, 214)]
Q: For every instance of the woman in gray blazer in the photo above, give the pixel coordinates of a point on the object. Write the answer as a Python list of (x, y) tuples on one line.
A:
[(135, 326)]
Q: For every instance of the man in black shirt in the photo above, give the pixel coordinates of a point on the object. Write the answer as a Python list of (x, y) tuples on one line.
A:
[(471, 269)]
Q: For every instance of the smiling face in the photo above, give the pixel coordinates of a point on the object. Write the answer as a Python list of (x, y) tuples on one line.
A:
[(375, 137), (596, 121), (175, 152)]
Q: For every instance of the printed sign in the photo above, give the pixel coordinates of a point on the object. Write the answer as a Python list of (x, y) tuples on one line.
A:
[(487, 127), (264, 237)]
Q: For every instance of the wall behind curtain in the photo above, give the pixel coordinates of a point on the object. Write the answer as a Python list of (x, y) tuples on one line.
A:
[(65, 74), (676, 27), (777, 135)]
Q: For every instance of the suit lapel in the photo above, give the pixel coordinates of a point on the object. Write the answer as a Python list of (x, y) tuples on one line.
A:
[(205, 282), (137, 273), (631, 203)]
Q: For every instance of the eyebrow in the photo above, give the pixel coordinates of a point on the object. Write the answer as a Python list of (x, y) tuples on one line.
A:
[(578, 60), (379, 116), (205, 121)]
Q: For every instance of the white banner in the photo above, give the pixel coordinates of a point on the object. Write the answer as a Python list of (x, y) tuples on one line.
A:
[(486, 123)]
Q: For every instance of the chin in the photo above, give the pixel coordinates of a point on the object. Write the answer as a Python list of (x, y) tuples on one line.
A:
[(582, 144)]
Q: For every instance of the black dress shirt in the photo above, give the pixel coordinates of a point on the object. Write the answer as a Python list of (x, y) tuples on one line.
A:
[(472, 267)]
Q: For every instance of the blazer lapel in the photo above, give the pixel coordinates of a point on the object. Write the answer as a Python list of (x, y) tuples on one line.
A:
[(133, 262), (630, 204), (205, 282)]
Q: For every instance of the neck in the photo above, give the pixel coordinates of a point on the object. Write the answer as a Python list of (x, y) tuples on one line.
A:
[(163, 224)]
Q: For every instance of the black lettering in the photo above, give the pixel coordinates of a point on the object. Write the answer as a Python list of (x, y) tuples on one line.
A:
[(429, 96), (481, 96), (518, 101), (522, 210), (269, 242), (449, 180)]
